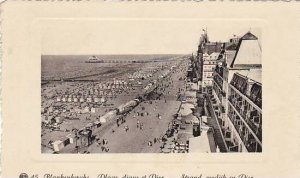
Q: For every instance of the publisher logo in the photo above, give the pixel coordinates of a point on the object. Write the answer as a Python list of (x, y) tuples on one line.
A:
[(23, 175)]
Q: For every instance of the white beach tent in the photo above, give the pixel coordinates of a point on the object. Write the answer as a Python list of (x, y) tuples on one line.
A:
[(58, 145)]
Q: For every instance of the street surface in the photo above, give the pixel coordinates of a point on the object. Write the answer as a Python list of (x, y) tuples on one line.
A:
[(135, 140)]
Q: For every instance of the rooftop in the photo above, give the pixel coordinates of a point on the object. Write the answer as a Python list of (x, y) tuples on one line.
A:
[(202, 144), (211, 47), (249, 36), (248, 51), (231, 46), (229, 57), (252, 74)]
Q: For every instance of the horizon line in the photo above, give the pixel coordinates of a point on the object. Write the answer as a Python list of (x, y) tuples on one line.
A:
[(117, 54)]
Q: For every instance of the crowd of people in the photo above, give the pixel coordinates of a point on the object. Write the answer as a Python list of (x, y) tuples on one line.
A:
[(103, 144), (140, 115)]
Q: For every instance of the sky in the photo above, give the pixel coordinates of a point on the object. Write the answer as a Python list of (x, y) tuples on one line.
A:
[(134, 36)]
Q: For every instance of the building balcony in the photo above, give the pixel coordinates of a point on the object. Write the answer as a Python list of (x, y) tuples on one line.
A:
[(254, 128), (251, 147), (222, 108), (232, 147), (219, 84), (227, 135), (248, 140), (244, 113), (219, 70), (256, 103), (255, 98)]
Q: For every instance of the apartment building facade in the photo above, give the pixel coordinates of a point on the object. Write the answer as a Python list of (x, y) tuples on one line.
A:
[(237, 94)]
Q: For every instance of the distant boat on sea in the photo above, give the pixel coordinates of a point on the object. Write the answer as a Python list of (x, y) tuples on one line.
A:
[(94, 59)]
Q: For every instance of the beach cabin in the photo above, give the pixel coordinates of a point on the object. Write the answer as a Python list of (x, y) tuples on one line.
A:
[(77, 110), (71, 137), (102, 100), (96, 99), (69, 100), (96, 92), (58, 145), (89, 100), (86, 109), (58, 120)]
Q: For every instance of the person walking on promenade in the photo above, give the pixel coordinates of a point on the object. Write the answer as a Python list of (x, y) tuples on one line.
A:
[(98, 144), (105, 141), (126, 128), (141, 126)]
